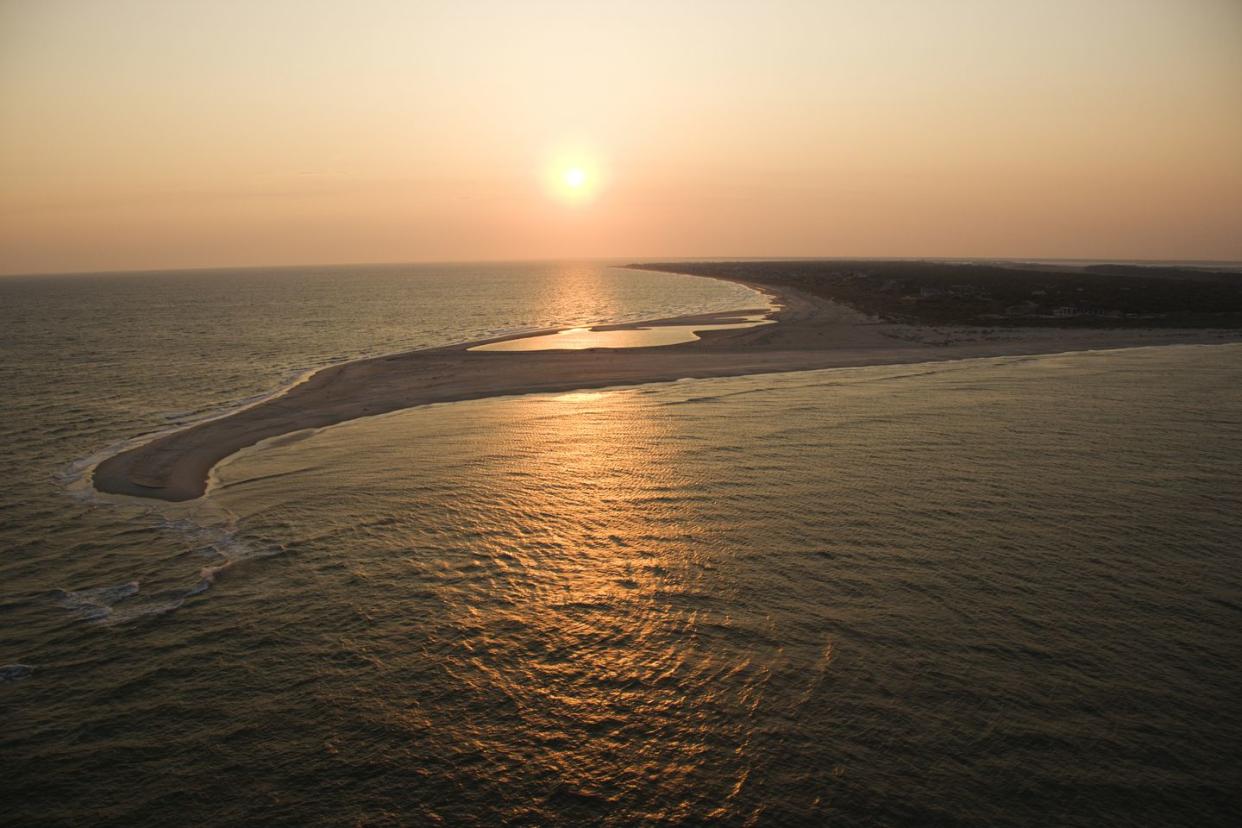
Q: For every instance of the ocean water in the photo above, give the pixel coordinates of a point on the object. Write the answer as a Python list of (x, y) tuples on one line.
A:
[(988, 592)]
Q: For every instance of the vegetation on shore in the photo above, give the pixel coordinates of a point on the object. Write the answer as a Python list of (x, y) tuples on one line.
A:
[(948, 293)]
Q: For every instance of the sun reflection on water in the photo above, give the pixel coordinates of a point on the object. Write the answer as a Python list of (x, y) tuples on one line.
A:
[(596, 643)]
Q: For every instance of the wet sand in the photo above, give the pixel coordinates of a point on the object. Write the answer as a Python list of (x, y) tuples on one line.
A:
[(811, 333)]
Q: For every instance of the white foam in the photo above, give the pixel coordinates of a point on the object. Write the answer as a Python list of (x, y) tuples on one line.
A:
[(206, 529), (96, 604)]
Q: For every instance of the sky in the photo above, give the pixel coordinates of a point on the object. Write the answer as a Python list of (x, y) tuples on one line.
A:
[(146, 135)]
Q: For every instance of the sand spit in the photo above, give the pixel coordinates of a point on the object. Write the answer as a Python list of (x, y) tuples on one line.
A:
[(811, 333)]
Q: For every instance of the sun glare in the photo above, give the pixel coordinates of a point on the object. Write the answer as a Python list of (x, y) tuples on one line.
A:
[(575, 178)]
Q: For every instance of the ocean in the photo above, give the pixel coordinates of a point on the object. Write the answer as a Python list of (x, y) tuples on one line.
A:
[(987, 592)]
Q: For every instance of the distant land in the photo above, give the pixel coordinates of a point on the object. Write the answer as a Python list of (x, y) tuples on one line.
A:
[(1092, 295)]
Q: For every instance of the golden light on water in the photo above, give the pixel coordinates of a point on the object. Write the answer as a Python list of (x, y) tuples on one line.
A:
[(579, 396)]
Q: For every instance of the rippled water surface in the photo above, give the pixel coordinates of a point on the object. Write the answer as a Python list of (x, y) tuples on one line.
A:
[(990, 592)]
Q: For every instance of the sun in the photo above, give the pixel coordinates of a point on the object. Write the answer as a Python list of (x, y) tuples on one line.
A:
[(575, 178)]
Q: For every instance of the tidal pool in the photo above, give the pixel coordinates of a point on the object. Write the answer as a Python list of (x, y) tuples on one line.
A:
[(575, 339)]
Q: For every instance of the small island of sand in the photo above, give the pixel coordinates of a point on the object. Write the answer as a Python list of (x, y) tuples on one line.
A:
[(810, 332)]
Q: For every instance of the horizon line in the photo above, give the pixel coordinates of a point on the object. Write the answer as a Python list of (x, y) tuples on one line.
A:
[(1233, 263)]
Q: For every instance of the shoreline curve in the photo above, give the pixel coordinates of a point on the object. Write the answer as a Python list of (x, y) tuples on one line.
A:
[(812, 333)]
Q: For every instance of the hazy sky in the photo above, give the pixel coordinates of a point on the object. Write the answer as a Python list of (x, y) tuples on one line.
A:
[(181, 134)]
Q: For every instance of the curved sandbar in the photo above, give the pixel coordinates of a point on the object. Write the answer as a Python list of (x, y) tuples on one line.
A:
[(811, 333)]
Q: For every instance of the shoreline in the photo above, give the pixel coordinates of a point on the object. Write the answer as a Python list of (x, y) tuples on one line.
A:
[(811, 334)]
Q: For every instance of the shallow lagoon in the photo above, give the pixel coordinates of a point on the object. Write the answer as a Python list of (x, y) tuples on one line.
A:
[(636, 337)]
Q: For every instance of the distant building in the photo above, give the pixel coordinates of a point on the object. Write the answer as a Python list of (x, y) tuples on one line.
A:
[(930, 292), (1066, 310)]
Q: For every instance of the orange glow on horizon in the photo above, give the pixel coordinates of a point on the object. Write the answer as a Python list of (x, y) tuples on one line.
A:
[(208, 136)]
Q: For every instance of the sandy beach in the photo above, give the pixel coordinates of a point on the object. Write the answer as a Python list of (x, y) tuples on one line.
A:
[(810, 333)]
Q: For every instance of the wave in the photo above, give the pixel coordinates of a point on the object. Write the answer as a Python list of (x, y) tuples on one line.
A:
[(96, 604), (204, 529)]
